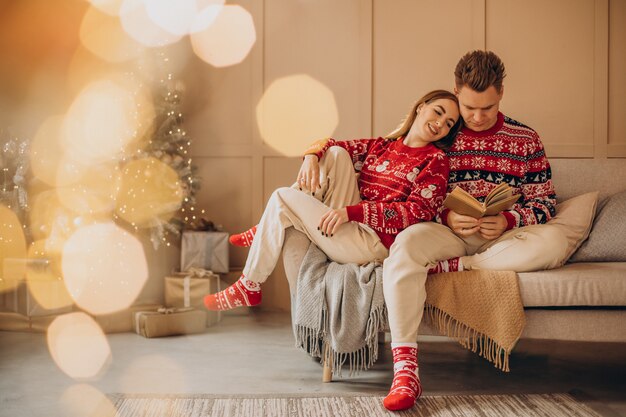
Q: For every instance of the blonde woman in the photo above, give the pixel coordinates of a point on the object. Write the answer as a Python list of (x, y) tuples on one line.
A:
[(402, 181)]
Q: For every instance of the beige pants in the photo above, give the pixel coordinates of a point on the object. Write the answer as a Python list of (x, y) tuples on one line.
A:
[(290, 207), (422, 245)]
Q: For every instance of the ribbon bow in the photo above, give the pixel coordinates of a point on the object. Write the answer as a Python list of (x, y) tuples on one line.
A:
[(172, 310), (199, 273)]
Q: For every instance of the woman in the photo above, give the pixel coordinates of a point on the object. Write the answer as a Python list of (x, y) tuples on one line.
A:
[(403, 180)]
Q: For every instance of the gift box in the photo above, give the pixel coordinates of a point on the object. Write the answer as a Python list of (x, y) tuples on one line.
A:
[(207, 250), (20, 300), (14, 322), (188, 289), (18, 295), (122, 321), (170, 322)]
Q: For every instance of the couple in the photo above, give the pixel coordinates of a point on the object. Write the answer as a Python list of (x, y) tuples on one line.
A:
[(393, 211)]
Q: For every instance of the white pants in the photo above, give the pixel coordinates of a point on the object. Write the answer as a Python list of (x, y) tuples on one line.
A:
[(290, 207), (422, 245)]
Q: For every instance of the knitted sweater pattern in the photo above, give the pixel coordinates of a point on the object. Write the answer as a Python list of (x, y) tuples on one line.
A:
[(399, 185), (508, 152)]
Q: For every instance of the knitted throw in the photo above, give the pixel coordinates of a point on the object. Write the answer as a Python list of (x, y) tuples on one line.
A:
[(483, 310), (342, 305)]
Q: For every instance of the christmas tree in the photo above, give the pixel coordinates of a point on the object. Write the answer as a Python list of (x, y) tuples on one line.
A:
[(170, 144), (14, 167)]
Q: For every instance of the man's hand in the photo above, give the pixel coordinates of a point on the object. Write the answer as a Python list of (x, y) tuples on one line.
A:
[(492, 227), (309, 175), (330, 222), (462, 225)]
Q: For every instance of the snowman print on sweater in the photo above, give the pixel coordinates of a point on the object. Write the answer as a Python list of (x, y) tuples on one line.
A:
[(382, 167), (428, 191), (413, 174)]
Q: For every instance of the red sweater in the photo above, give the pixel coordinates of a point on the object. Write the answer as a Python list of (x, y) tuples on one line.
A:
[(508, 152), (399, 185)]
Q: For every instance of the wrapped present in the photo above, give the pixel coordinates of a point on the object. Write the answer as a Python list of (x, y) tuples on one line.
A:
[(208, 250), (169, 322), (21, 300), (187, 289), (42, 294), (122, 321), (20, 323), (14, 322)]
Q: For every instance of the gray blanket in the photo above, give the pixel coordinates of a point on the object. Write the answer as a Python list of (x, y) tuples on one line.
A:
[(341, 305)]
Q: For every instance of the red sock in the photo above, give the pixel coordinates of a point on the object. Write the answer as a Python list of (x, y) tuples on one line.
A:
[(243, 239), (241, 293), (449, 265), (406, 387)]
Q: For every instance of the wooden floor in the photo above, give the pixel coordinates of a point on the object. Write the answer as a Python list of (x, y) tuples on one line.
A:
[(255, 354)]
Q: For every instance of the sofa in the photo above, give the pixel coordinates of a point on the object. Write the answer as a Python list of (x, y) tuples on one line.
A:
[(585, 298)]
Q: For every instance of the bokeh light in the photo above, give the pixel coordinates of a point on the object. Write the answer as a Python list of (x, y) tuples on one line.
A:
[(78, 345), (51, 220), (111, 7), (12, 249), (150, 192), (223, 40), (83, 400), (175, 17), (44, 276), (93, 192), (104, 268), (104, 119), (105, 37), (294, 112), (137, 23), (46, 151)]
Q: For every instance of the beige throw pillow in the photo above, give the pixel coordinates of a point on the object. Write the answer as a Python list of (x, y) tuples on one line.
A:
[(606, 242), (574, 218)]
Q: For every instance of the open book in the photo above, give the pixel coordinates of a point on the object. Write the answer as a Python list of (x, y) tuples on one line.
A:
[(500, 198)]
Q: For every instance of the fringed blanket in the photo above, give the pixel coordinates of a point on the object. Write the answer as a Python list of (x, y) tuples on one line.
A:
[(483, 310), (343, 306)]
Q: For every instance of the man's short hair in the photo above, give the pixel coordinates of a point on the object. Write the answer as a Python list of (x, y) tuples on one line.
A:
[(479, 70)]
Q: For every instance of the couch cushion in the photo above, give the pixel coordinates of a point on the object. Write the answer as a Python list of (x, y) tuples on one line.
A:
[(607, 240), (574, 218), (580, 284)]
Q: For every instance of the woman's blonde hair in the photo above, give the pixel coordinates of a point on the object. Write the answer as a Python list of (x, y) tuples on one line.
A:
[(443, 143)]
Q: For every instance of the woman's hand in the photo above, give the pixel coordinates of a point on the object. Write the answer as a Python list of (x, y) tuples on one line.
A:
[(309, 175), (330, 222), (462, 225)]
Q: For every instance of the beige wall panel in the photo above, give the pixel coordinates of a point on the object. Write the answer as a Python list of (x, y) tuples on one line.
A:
[(617, 78), (548, 50), (328, 40), (226, 195), (219, 101), (416, 47), (278, 172)]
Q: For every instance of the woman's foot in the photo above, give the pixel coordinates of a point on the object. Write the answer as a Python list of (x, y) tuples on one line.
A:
[(242, 293), (449, 265), (243, 239), (406, 387)]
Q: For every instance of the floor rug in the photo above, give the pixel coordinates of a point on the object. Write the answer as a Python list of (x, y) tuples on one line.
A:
[(353, 405)]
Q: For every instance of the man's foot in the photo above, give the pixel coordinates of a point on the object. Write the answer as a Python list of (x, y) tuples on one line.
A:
[(406, 387), (241, 293), (449, 265), (243, 239)]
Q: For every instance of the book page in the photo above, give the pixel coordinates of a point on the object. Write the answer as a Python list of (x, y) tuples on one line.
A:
[(502, 204), (462, 202)]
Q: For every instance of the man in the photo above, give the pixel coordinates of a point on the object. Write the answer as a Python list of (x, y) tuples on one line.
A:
[(490, 149)]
